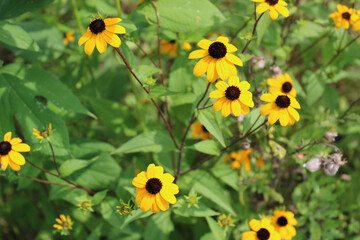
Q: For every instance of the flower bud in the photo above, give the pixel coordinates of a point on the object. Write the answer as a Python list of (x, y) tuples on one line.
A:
[(314, 164), (258, 62), (330, 136), (275, 71), (333, 163)]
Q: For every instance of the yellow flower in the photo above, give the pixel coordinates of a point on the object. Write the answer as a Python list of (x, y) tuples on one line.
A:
[(168, 47), (234, 97), (284, 222), (261, 230), (240, 157), (85, 205), (344, 16), (100, 33), (283, 84), (356, 26), (274, 6), (280, 107), (64, 222), (199, 131), (219, 63), (45, 133), (154, 189), (186, 45), (68, 37), (9, 152)]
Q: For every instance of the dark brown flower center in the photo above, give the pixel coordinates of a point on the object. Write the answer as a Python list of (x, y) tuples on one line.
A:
[(286, 87), (5, 148), (232, 93), (97, 26), (263, 234), (172, 41), (282, 221), (217, 50), (282, 101), (272, 2), (153, 185), (346, 15), (204, 129)]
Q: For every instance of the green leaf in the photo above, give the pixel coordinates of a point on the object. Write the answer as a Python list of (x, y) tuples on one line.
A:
[(160, 91), (147, 142), (212, 123), (82, 149), (315, 230), (13, 35), (207, 186), (250, 119), (208, 146), (227, 175), (99, 197), (70, 166), (183, 15), (181, 208), (262, 27), (159, 226), (218, 232), (11, 8)]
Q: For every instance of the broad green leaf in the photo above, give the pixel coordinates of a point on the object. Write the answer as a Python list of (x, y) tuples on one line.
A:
[(160, 91), (315, 230), (181, 74), (212, 123), (14, 8), (13, 35), (218, 232), (108, 212), (83, 149), (99, 197), (184, 15), (159, 226), (207, 186), (181, 208), (262, 27), (44, 84), (208, 146), (70, 166), (147, 142), (227, 175)]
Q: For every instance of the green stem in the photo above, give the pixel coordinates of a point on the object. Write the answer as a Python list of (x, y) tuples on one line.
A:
[(118, 7), (77, 17)]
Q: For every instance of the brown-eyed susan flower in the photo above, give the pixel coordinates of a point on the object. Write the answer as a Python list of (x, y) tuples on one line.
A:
[(274, 6), (239, 158), (261, 230), (344, 16), (280, 107), (100, 33), (356, 26), (9, 152), (233, 97), (169, 47), (68, 37), (155, 189), (64, 223), (282, 83), (284, 222), (45, 133), (217, 59), (199, 131), (85, 205)]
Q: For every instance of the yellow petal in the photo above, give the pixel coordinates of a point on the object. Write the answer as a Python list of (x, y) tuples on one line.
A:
[(101, 44), (140, 180), (244, 109), (85, 37), (283, 3), (217, 94), (230, 48), (282, 10), (116, 29), (201, 66), (14, 166), (284, 117), (293, 113), (150, 172), (234, 59), (4, 162), (236, 108), (198, 54), (244, 86), (247, 99), (267, 97), (234, 81), (273, 117), (159, 171), (268, 108), (15, 141), (155, 208), (140, 193), (167, 178), (222, 86), (226, 108), (255, 225), (7, 137), (250, 235), (262, 7), (222, 69), (147, 201), (21, 147), (222, 39), (162, 204), (90, 45), (273, 14), (232, 69), (111, 38), (111, 21), (218, 104), (294, 103), (167, 196), (205, 44), (212, 75)]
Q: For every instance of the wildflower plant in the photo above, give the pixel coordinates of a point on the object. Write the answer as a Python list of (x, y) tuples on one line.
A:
[(208, 118)]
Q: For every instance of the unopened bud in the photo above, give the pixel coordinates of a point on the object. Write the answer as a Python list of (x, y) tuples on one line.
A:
[(275, 71), (150, 81), (330, 136), (315, 163)]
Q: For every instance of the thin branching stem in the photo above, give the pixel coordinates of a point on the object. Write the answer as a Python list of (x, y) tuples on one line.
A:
[(340, 50), (253, 31), (54, 158)]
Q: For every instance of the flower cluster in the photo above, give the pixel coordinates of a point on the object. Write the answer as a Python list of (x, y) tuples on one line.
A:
[(278, 226)]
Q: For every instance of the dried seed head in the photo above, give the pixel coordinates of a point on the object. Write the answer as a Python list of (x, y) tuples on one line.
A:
[(330, 136), (258, 62), (315, 163), (333, 163), (275, 71)]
